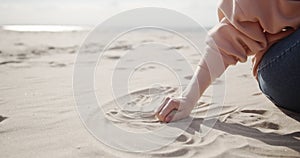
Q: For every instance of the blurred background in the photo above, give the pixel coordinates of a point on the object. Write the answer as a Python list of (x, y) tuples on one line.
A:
[(91, 12)]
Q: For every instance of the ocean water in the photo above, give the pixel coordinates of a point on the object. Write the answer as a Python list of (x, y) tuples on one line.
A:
[(45, 28), (76, 28)]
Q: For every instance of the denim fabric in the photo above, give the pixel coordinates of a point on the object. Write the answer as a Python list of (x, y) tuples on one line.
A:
[(279, 73)]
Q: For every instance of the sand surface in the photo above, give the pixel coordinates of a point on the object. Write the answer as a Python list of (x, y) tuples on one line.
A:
[(39, 118)]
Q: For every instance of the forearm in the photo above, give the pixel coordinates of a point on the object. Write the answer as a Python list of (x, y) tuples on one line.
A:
[(198, 84), (210, 68)]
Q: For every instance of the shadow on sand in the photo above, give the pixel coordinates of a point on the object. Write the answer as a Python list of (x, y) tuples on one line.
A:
[(287, 140)]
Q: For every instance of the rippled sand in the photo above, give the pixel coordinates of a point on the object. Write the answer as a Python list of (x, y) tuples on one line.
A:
[(38, 116)]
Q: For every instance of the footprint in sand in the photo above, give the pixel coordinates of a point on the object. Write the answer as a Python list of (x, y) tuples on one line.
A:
[(252, 118)]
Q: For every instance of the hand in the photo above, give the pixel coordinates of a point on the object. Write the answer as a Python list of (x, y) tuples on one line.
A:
[(174, 109)]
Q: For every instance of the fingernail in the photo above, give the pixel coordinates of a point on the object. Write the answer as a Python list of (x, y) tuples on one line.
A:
[(168, 119)]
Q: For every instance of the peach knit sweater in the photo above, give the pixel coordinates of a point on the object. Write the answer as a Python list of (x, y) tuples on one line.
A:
[(250, 27), (245, 28)]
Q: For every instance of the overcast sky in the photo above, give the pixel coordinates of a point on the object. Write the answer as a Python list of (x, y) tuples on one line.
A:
[(91, 12)]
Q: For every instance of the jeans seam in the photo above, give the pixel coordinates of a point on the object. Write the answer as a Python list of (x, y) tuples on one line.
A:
[(280, 55)]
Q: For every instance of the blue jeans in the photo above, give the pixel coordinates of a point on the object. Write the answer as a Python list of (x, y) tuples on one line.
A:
[(279, 73)]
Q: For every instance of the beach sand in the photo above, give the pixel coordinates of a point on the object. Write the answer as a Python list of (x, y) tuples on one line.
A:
[(39, 117)]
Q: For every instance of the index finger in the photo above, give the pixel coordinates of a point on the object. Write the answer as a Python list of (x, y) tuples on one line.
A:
[(162, 105)]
